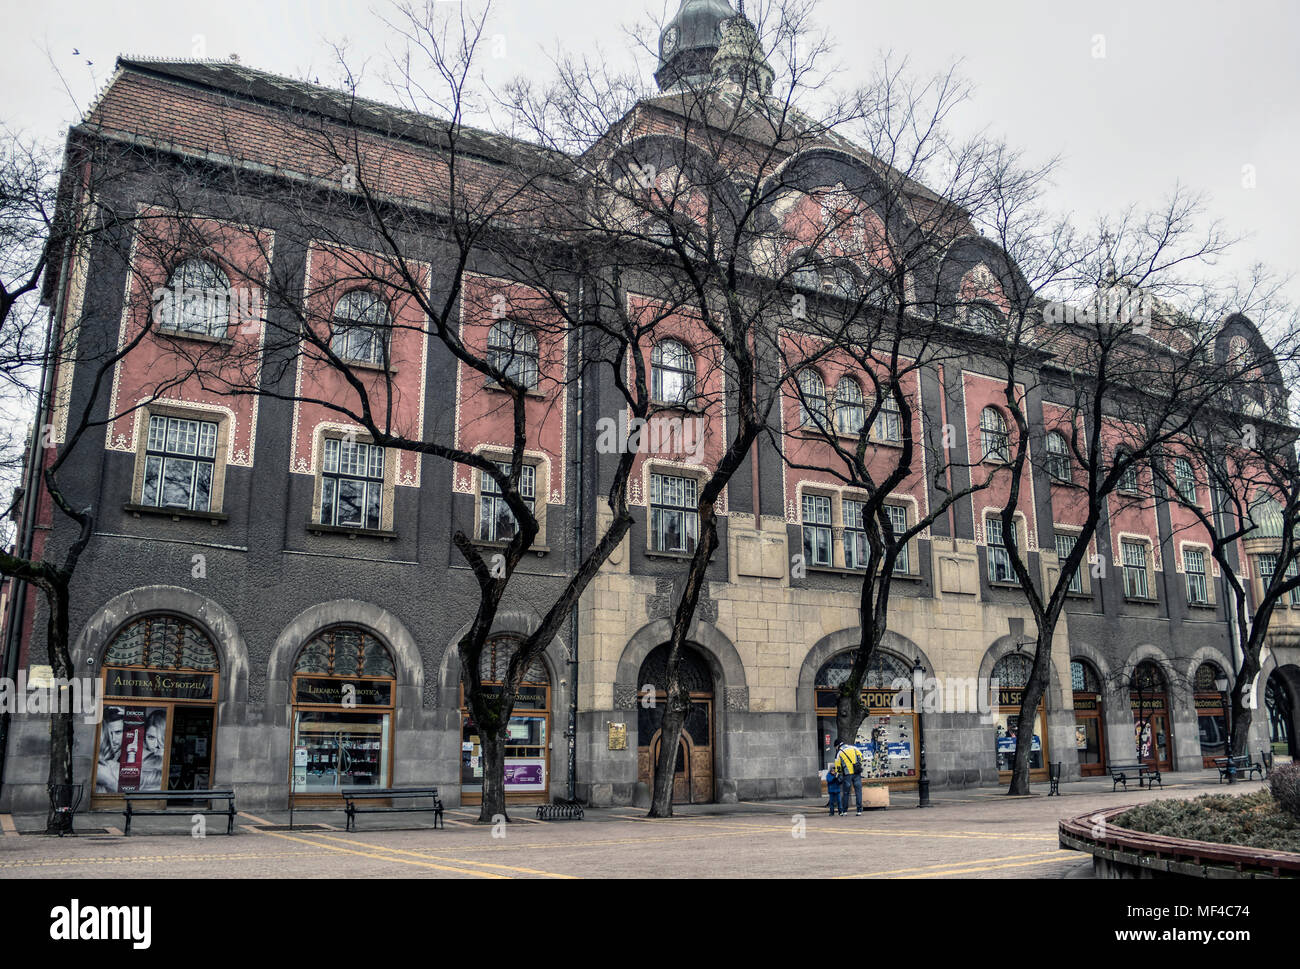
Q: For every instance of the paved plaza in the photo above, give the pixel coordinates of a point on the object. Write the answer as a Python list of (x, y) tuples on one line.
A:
[(977, 833)]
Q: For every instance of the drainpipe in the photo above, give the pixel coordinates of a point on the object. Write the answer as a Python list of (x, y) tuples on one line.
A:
[(580, 486)]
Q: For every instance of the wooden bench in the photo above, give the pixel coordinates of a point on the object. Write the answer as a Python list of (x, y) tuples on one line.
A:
[(1147, 775), (1238, 766), (169, 796), (392, 793)]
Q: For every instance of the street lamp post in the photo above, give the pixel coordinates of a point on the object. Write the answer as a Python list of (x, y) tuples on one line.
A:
[(1222, 684), (923, 784)]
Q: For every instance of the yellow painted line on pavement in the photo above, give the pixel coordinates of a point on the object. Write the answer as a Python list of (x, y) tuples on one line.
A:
[(366, 854), (956, 872), (252, 817), (459, 861), (114, 831), (7, 825), (942, 867)]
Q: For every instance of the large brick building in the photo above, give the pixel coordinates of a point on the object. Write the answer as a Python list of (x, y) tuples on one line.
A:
[(253, 557)]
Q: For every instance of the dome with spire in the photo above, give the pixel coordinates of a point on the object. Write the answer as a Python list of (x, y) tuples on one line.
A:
[(740, 60), (690, 41)]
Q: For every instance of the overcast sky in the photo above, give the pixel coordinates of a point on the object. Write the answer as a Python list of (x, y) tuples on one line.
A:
[(1188, 90)]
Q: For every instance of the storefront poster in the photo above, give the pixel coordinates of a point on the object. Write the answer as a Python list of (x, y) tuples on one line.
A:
[(1080, 736), (525, 775), (132, 741)]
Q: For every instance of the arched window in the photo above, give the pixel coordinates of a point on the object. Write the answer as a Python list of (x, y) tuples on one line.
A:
[(812, 406), (361, 328), (804, 272), (1147, 678), (345, 651), (1185, 481), (1012, 671), (843, 281), (994, 439), (984, 318), (512, 349), (161, 643), (1058, 457), (1083, 678), (1206, 675), (1267, 518), (888, 425), (850, 414), (197, 299), (672, 373)]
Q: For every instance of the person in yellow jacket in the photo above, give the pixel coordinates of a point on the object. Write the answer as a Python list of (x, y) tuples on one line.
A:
[(849, 761)]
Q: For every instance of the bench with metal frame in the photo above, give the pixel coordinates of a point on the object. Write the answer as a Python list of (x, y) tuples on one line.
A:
[(1147, 775), (227, 795), (400, 793), (1237, 765)]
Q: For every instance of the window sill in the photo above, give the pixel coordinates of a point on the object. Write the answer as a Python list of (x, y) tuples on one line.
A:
[(1145, 600), (497, 388), (197, 337), (367, 365), (677, 405), (681, 556), (318, 528), (846, 572), (541, 551), (1209, 606), (176, 514), (1078, 595), (1004, 585)]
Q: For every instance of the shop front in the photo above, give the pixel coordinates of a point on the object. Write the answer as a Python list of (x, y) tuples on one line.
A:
[(160, 688), (886, 736), (528, 743), (343, 695), (1089, 730), (1211, 718), (1152, 732), (693, 765), (1012, 673)]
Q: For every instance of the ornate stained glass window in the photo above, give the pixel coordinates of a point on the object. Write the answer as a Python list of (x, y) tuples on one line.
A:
[(162, 643), (345, 651), (1012, 671), (882, 671)]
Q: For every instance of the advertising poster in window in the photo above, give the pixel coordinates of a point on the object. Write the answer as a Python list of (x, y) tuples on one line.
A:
[(132, 742), (886, 746), (1006, 726), (525, 774)]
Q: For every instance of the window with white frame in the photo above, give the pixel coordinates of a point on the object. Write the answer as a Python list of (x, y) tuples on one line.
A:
[(1194, 567), (898, 521), (1128, 479), (994, 439), (850, 413), (496, 522), (1267, 565), (817, 530), (1184, 481), (1134, 555), (1065, 543), (1000, 569), (361, 328), (674, 514), (179, 463), (889, 423), (672, 373), (512, 349), (984, 318), (198, 300), (1292, 571), (812, 403), (352, 484), (1058, 458), (856, 550)]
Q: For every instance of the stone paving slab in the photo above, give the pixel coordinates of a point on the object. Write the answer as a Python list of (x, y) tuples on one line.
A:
[(974, 833)]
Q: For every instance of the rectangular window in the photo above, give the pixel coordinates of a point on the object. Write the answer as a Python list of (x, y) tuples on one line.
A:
[(352, 484), (496, 522), (1291, 571), (1194, 566), (1000, 569), (674, 518), (1135, 570), (1064, 546), (898, 519), (816, 530), (180, 458), (856, 550)]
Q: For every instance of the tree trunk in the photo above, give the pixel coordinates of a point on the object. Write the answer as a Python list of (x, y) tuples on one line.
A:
[(670, 738), (493, 743), (849, 714), (1029, 702), (61, 720)]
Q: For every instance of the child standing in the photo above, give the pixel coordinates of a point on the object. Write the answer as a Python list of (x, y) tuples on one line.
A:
[(833, 788)]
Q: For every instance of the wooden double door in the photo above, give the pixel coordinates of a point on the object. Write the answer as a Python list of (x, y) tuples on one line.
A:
[(693, 766)]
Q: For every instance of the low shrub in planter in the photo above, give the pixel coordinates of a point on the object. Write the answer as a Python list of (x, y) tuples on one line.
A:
[(1255, 820), (1284, 785)]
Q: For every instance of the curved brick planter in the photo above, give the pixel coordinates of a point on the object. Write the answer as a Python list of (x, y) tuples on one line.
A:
[(1121, 853)]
